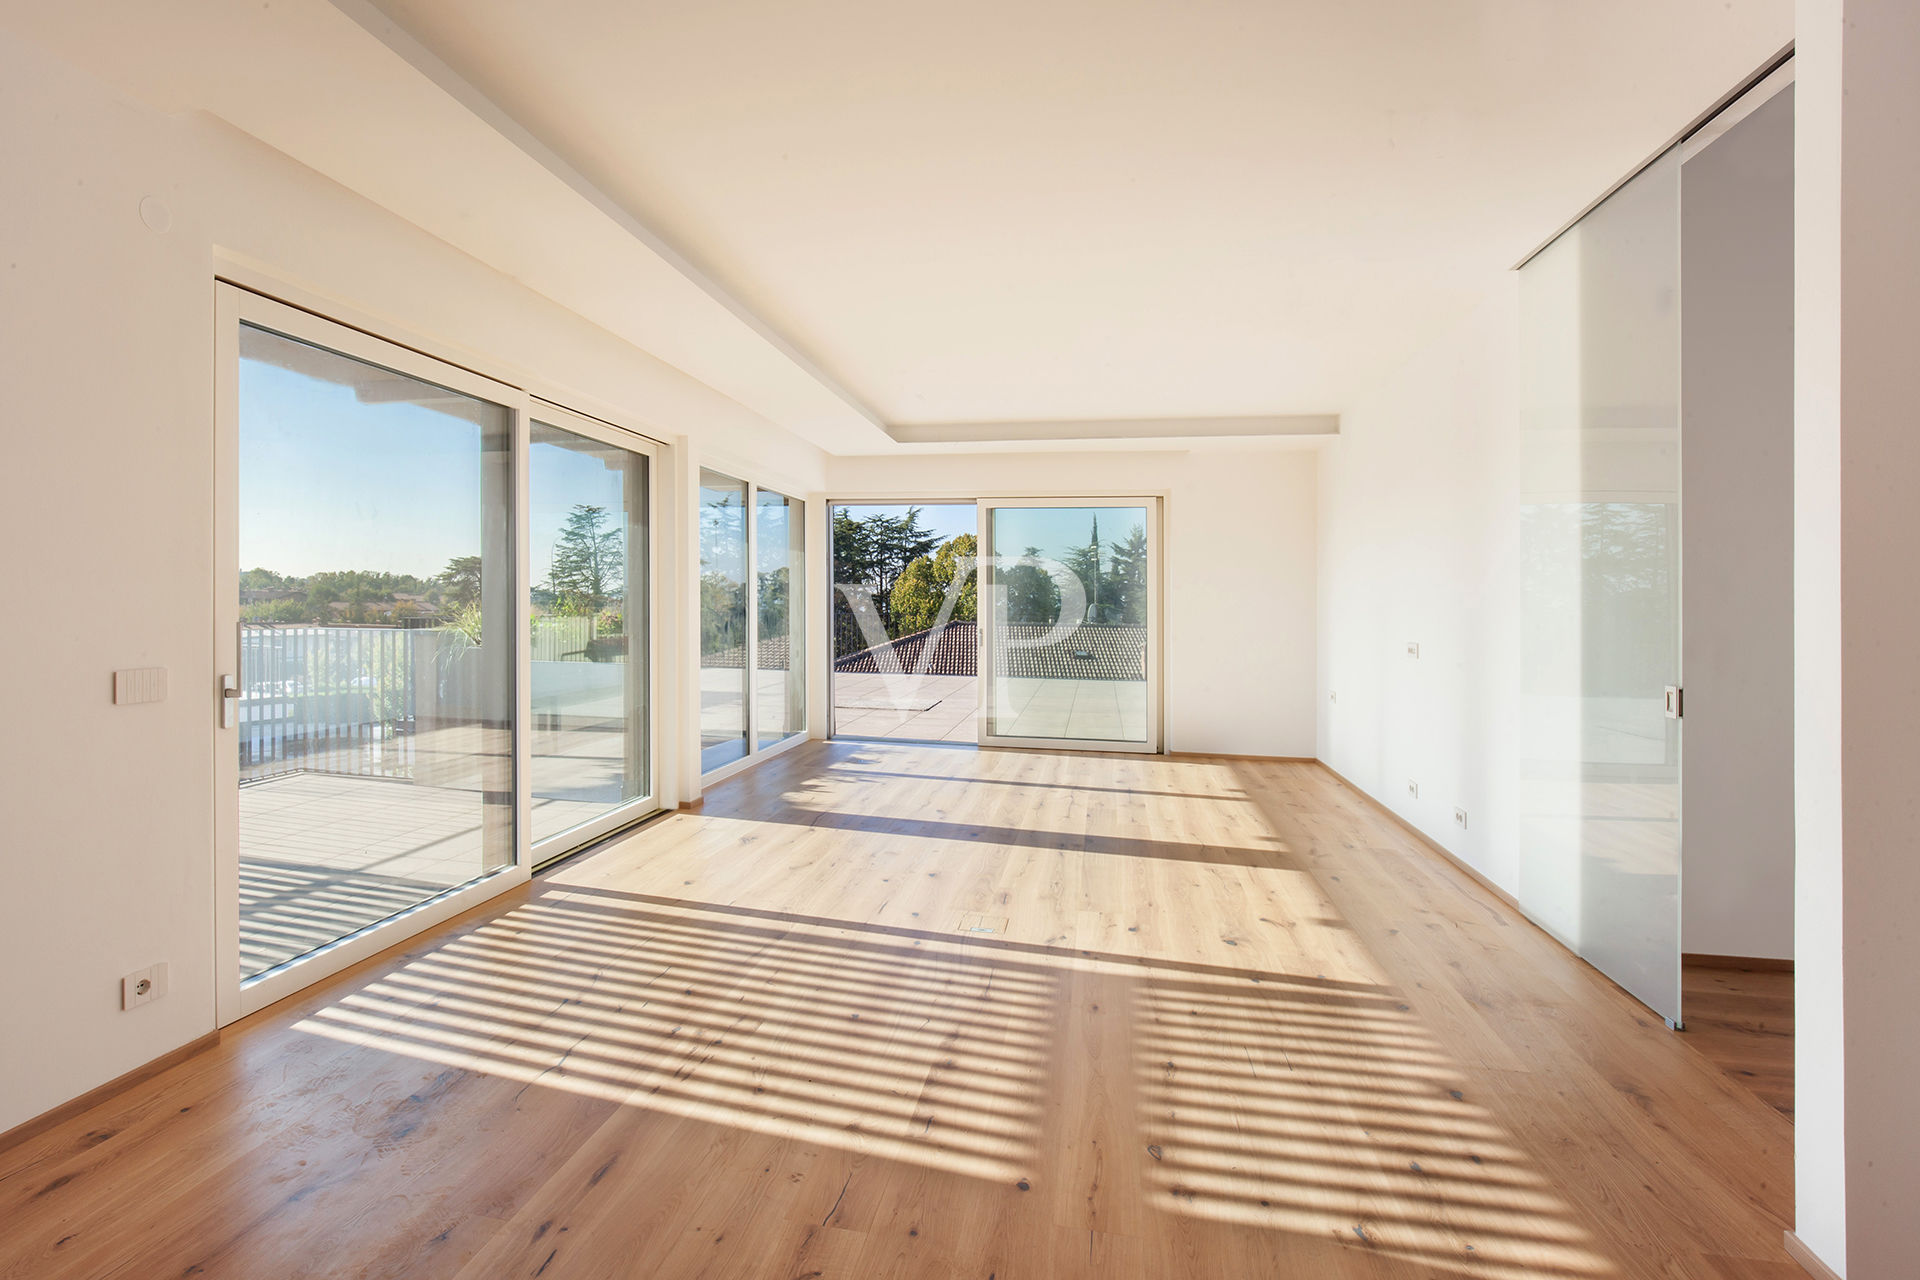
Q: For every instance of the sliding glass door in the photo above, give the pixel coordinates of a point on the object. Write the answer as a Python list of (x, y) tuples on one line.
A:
[(752, 619), (433, 644), (375, 639), (905, 621), (589, 488), (780, 672), (723, 620), (1070, 597)]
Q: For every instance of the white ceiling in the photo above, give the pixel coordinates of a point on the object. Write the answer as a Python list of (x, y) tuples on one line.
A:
[(1010, 210), (864, 211)]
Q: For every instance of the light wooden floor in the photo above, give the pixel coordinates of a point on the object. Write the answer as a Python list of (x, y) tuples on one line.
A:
[(1742, 1020), (884, 1010)]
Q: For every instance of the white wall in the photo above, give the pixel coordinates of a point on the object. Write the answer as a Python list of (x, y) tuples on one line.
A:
[(1239, 573), (1856, 611), (1419, 542), (107, 354), (1418, 539), (1820, 1008), (1736, 406)]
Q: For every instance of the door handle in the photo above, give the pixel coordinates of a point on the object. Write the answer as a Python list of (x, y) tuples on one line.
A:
[(229, 703)]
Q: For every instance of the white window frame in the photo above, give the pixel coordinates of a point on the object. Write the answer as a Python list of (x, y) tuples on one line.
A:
[(562, 843), (988, 623), (797, 621), (1155, 503), (239, 301)]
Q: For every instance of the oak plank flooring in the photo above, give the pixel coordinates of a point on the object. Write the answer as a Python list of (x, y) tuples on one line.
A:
[(1741, 1019), (1229, 1021)]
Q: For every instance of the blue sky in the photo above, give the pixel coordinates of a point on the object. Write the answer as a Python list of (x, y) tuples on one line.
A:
[(946, 520), (328, 481), (1058, 530), (1055, 530)]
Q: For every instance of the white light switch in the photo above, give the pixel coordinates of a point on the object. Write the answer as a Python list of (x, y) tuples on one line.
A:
[(140, 684)]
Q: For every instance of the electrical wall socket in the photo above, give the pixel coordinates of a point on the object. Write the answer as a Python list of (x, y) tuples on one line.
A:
[(1413, 648), (1413, 789), (144, 986), (1460, 819)]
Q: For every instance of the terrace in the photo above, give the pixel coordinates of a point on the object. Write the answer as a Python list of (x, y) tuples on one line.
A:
[(924, 687), (375, 773)]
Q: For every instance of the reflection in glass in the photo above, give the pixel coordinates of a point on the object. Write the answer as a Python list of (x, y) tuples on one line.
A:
[(376, 644), (587, 521), (779, 532), (723, 619), (1600, 545), (905, 621), (1070, 610)]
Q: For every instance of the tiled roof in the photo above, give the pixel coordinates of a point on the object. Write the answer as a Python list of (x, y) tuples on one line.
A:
[(775, 655), (955, 653), (1089, 653)]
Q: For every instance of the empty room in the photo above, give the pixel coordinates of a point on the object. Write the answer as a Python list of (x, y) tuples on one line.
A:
[(1176, 641)]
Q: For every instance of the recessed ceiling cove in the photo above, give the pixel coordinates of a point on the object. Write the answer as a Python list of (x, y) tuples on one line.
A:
[(1085, 210)]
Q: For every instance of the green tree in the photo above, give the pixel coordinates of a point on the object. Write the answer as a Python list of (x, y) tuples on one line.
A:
[(291, 610), (723, 569), (1033, 597), (1124, 597), (871, 552), (365, 595), (358, 594), (460, 582), (921, 590), (265, 580), (322, 591), (588, 557), (776, 593), (723, 613)]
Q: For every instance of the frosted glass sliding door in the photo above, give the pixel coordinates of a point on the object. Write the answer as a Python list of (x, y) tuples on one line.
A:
[(588, 487), (1600, 545)]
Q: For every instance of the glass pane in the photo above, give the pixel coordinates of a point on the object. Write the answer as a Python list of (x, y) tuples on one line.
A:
[(779, 532), (905, 621), (1600, 541), (376, 644), (1070, 610), (723, 619), (588, 528)]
